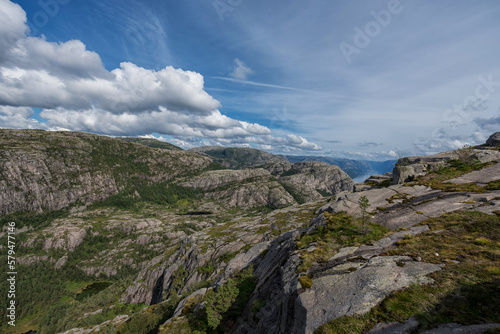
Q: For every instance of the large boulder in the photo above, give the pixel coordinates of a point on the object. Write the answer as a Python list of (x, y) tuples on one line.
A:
[(349, 293), (494, 139)]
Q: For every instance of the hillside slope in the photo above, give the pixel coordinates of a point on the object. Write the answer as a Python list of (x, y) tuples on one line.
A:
[(239, 157), (44, 171), (354, 168), (152, 143), (206, 251)]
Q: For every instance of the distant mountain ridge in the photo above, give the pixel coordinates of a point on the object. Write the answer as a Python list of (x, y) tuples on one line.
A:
[(239, 157), (353, 168), (154, 143), (243, 157)]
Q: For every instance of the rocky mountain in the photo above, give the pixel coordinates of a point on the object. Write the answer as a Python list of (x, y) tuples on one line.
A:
[(354, 168), (308, 181), (242, 188), (239, 157), (45, 171), (152, 143), (232, 251)]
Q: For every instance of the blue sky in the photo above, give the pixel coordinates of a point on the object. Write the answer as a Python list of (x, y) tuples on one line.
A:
[(364, 79)]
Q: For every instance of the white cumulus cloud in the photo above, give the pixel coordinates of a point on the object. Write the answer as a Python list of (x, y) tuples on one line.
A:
[(76, 92)]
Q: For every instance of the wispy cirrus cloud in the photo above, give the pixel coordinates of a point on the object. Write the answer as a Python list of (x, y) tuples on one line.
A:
[(240, 71), (76, 92)]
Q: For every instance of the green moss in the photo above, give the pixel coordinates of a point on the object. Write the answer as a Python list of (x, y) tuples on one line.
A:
[(257, 305), (227, 257), (341, 230), (465, 291), (305, 282), (206, 269), (454, 169), (494, 185)]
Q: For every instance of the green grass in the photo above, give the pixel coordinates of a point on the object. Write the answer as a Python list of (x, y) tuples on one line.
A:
[(455, 168), (494, 185), (305, 282), (466, 291), (168, 194), (341, 230), (206, 269)]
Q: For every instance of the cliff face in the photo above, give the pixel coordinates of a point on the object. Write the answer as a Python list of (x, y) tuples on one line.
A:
[(309, 181), (278, 185), (242, 188), (44, 171), (239, 157), (50, 170)]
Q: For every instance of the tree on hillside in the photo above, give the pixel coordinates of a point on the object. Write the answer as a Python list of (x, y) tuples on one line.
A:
[(364, 204)]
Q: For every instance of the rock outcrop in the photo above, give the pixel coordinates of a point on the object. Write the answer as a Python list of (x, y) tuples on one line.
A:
[(309, 181), (342, 292), (494, 140), (44, 171), (408, 169), (242, 188), (239, 157)]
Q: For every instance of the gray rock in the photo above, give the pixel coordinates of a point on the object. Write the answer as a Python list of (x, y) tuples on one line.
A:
[(480, 177), (242, 188), (44, 171), (407, 327), (494, 139), (407, 169), (308, 177), (61, 262), (31, 259), (333, 296), (182, 304), (243, 260), (240, 157)]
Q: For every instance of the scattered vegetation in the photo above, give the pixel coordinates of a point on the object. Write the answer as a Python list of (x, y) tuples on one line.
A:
[(222, 307), (305, 282), (294, 192), (33, 220), (455, 168), (341, 230), (494, 185), (465, 291), (168, 194)]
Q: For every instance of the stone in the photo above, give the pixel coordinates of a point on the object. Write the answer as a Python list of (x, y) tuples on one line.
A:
[(49, 170), (61, 262), (407, 327), (182, 304), (494, 139), (480, 177), (333, 296)]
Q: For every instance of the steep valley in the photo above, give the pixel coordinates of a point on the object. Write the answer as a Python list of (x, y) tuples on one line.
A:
[(242, 241)]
